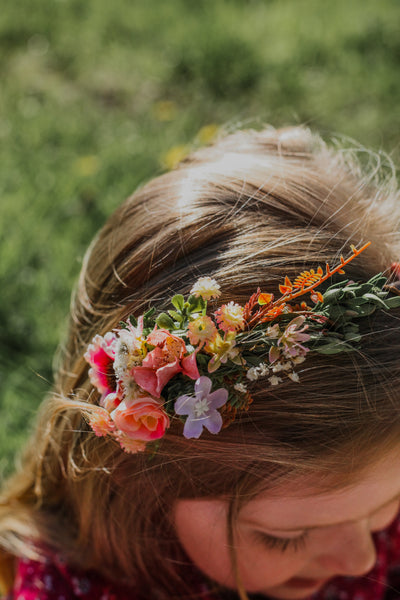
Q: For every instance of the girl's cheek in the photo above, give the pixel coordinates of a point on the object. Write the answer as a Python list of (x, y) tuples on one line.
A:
[(201, 529), (262, 568), (384, 517)]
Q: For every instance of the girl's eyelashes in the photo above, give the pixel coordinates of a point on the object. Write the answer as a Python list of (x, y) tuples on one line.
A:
[(281, 544)]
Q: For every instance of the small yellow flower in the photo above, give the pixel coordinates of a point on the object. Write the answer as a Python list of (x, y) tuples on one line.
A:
[(87, 165), (165, 110), (223, 349), (174, 155), (230, 317), (207, 133), (207, 288), (201, 330)]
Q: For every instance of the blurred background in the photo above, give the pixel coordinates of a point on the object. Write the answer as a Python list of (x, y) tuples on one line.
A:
[(97, 96)]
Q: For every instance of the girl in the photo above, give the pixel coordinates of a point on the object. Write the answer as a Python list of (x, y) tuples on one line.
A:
[(244, 444)]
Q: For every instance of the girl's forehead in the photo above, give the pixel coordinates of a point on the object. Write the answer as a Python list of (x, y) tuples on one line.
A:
[(300, 503)]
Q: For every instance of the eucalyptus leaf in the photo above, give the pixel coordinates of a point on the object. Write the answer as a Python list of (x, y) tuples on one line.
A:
[(334, 348), (375, 299), (332, 295), (366, 309), (393, 302), (335, 312), (352, 337), (356, 302), (348, 293)]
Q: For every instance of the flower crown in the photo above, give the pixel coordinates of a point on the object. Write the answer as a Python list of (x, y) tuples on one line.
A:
[(187, 363)]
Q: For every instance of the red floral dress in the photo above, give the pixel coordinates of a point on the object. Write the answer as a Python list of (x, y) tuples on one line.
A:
[(53, 580)]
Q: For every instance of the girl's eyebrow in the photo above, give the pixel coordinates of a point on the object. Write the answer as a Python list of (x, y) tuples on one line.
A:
[(301, 528)]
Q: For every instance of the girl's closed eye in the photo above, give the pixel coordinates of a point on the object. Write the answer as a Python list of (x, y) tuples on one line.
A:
[(281, 543)]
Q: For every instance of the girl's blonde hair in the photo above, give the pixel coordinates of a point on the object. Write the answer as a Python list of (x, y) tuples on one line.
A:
[(253, 207)]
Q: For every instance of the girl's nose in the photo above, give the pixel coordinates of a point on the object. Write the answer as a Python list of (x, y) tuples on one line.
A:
[(348, 550)]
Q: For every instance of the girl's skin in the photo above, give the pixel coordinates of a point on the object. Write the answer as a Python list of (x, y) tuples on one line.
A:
[(290, 543)]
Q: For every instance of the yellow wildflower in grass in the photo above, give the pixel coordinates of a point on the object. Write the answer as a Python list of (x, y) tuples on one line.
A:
[(165, 110), (201, 330), (207, 288), (174, 155), (87, 165), (208, 133), (230, 317), (223, 349)]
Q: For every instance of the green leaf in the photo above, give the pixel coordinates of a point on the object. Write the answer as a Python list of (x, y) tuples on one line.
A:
[(196, 303), (356, 302), (178, 301), (352, 337), (336, 312), (393, 302), (366, 309), (334, 348), (148, 314), (175, 315), (165, 322), (375, 299), (332, 295)]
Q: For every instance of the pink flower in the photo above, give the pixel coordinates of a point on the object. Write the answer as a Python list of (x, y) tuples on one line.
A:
[(111, 401), (142, 419), (166, 360), (100, 356), (289, 341), (101, 423)]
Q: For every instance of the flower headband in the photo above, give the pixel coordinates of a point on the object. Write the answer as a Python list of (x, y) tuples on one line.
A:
[(196, 366)]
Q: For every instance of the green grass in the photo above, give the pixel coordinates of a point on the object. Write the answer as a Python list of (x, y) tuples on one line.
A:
[(95, 94)]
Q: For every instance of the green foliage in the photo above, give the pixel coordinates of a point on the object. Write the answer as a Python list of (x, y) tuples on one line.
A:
[(344, 303), (96, 94), (185, 311)]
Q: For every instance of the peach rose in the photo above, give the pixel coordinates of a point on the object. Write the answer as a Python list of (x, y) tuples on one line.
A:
[(141, 419)]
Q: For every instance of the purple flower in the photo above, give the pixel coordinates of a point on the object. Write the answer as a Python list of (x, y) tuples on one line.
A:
[(201, 409)]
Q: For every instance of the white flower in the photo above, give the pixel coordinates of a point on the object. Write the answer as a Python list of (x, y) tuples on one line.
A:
[(255, 373), (252, 374), (278, 367), (129, 351), (264, 369), (207, 288), (240, 387), (294, 377), (274, 380), (296, 360)]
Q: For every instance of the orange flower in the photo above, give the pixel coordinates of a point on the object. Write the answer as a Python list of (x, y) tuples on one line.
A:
[(230, 317), (101, 423), (142, 419)]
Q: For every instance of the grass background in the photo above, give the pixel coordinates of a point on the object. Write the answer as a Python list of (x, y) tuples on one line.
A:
[(96, 96)]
